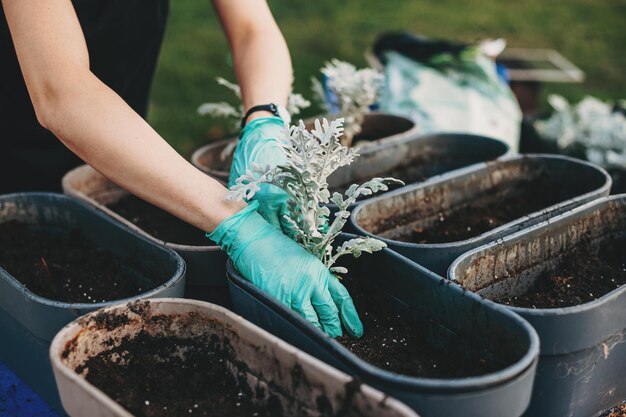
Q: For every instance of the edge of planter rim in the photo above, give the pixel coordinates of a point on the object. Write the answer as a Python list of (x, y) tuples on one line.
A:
[(188, 252), (114, 409), (174, 281), (552, 349), (374, 373), (494, 234)]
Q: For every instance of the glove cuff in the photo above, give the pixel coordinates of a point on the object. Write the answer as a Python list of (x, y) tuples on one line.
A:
[(236, 232)]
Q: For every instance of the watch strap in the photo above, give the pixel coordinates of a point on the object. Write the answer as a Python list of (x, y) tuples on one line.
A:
[(271, 107)]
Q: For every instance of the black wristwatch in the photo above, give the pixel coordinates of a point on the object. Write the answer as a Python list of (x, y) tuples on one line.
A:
[(276, 110)]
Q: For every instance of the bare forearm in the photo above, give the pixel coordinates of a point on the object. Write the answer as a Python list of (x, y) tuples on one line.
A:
[(97, 125), (260, 53), (263, 67)]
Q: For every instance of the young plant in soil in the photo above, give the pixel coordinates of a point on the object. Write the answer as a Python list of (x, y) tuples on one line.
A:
[(64, 266), (295, 104), (350, 94), (311, 158), (392, 339)]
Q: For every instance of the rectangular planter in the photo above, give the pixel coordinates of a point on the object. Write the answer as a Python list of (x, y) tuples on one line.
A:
[(441, 312), (582, 367), (266, 365), (424, 203), (28, 322), (206, 265)]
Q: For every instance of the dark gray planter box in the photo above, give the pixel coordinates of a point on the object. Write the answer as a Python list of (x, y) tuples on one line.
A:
[(28, 322), (582, 367), (440, 310), (583, 180), (206, 265), (261, 361)]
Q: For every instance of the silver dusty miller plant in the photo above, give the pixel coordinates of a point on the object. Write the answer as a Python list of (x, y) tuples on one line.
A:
[(295, 104), (352, 91), (311, 158), (591, 124)]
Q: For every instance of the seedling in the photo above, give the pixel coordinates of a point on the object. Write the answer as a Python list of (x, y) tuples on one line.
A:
[(311, 158), (295, 104), (350, 94)]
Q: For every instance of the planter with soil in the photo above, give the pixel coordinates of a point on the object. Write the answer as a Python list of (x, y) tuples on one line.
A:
[(59, 259), (567, 277), (437, 348), (377, 127), (174, 357), (206, 263), (435, 222)]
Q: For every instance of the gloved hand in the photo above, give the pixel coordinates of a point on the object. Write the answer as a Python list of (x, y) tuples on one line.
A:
[(279, 266), (258, 144)]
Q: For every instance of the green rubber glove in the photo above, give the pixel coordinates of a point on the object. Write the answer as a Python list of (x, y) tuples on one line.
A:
[(279, 266), (259, 145)]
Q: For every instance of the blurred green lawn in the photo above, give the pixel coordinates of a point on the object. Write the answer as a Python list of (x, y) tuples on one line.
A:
[(588, 32)]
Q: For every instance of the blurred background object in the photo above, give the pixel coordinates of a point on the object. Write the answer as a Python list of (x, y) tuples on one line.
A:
[(589, 33)]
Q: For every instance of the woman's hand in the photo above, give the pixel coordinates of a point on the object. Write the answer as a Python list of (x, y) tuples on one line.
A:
[(285, 270)]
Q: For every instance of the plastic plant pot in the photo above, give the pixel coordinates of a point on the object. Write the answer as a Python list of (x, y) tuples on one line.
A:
[(206, 265), (377, 127), (267, 366), (582, 366), (568, 183), (415, 159), (441, 312), (28, 322)]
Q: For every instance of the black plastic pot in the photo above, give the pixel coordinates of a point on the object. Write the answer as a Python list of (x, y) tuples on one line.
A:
[(28, 322), (582, 367), (440, 311), (424, 203), (263, 365), (206, 265), (415, 159)]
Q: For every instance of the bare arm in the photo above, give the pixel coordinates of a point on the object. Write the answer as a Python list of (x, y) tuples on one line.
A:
[(260, 53), (96, 124)]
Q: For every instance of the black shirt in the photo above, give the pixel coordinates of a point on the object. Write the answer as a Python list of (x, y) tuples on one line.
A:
[(124, 39)]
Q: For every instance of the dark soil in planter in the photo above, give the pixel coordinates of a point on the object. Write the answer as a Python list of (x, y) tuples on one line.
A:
[(395, 342), (582, 275), (158, 223), (172, 376), (416, 170), (63, 267), (495, 207)]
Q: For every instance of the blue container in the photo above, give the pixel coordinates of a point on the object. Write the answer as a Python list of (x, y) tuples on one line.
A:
[(440, 310), (423, 203), (29, 322), (582, 366)]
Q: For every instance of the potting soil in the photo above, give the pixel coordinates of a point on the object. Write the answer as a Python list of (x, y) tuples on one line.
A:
[(582, 275), (158, 223), (497, 206), (617, 411), (415, 170), (395, 342), (163, 375), (64, 267)]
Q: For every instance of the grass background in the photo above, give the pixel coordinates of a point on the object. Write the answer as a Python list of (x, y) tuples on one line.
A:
[(590, 33)]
